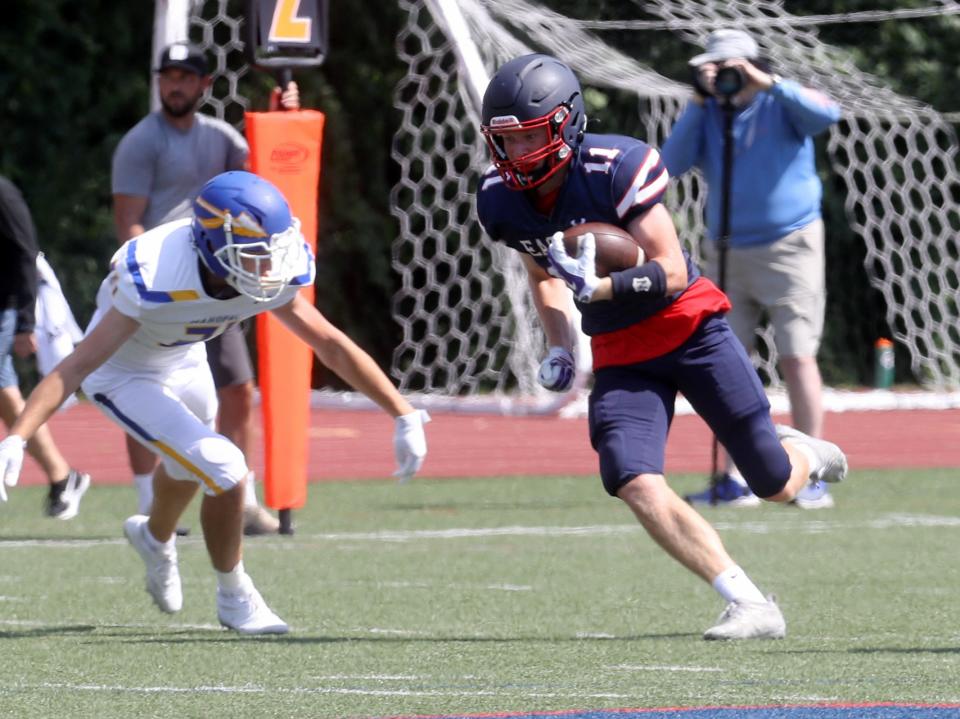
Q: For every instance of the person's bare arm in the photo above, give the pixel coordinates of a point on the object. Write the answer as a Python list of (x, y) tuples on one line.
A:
[(551, 298), (128, 211), (342, 355), (24, 344), (655, 233), (64, 379)]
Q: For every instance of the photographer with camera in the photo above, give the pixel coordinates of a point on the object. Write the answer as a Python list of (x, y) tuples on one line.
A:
[(764, 200)]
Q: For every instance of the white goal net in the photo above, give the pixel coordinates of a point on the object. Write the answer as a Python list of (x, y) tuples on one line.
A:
[(468, 328)]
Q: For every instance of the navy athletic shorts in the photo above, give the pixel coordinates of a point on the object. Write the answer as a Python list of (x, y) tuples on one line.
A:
[(631, 408)]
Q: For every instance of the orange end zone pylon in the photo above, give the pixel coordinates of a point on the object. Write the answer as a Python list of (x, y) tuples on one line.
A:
[(285, 149)]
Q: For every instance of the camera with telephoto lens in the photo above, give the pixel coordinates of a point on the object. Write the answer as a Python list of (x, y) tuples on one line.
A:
[(729, 81)]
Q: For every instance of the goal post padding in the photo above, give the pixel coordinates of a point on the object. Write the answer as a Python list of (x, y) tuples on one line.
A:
[(285, 149)]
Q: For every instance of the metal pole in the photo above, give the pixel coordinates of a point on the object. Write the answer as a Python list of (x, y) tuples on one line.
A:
[(723, 245), (285, 516)]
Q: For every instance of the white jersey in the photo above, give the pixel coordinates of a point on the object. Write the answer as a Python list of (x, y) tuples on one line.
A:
[(157, 386), (155, 278)]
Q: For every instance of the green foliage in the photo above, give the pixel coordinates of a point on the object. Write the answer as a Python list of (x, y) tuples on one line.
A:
[(73, 79)]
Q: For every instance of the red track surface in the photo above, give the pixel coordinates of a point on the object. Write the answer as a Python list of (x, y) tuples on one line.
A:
[(357, 444)]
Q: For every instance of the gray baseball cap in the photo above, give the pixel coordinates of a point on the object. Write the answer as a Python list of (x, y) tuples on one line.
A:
[(726, 44)]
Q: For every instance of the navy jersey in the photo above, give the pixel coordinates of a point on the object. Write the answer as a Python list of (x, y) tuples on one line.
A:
[(611, 179)]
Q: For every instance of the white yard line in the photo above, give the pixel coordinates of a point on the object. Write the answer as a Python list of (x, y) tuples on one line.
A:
[(773, 526), (663, 668), (362, 691), (110, 625)]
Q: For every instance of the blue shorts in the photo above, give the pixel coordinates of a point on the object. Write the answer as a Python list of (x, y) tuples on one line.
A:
[(8, 326), (631, 409)]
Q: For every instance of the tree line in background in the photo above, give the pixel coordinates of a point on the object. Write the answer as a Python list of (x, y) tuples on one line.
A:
[(74, 76)]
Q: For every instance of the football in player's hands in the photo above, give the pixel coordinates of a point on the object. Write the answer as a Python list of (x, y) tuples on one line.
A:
[(616, 248)]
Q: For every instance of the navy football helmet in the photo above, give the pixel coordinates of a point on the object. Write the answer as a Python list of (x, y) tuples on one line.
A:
[(531, 92), (246, 235)]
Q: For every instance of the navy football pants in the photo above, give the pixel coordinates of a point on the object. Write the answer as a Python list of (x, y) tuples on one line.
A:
[(631, 408)]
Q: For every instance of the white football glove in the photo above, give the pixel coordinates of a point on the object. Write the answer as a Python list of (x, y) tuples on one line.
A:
[(11, 462), (579, 272), (558, 370), (409, 443)]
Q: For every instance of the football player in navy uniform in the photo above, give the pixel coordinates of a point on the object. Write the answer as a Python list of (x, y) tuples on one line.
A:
[(655, 329)]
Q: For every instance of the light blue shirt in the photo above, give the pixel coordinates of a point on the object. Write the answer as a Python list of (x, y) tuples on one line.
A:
[(775, 189)]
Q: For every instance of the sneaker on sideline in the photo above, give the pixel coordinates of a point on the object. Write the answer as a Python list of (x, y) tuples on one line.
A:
[(831, 461), (814, 495), (749, 620), (257, 521), (63, 499), (246, 612), (163, 575), (728, 492)]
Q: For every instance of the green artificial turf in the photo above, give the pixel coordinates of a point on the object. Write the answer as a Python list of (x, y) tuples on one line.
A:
[(485, 595)]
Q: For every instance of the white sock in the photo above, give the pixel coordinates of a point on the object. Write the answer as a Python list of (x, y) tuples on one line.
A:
[(734, 585), (154, 543), (250, 490), (144, 485), (231, 582)]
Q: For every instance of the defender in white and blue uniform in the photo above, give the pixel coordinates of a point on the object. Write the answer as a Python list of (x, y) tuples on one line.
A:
[(158, 385), (143, 363)]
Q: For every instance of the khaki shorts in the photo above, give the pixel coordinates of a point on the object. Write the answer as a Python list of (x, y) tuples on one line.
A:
[(786, 280)]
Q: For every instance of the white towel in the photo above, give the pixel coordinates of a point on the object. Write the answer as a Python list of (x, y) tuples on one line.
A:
[(56, 329)]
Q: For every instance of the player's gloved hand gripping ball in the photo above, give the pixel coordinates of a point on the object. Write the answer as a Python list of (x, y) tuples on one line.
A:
[(409, 443), (578, 272), (558, 370), (11, 462)]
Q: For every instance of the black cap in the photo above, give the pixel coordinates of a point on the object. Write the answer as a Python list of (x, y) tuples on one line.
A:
[(183, 56)]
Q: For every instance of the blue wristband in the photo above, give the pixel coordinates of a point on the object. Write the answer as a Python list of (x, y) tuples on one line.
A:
[(648, 280)]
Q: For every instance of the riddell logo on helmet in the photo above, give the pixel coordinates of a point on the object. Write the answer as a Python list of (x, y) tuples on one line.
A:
[(504, 121), (288, 156)]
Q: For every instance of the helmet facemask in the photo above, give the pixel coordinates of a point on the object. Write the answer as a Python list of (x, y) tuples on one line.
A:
[(536, 167), (254, 264)]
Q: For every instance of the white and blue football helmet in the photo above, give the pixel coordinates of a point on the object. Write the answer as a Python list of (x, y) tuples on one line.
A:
[(246, 235)]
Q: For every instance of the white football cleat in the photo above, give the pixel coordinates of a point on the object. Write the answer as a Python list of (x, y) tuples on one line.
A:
[(814, 495), (749, 620), (163, 575), (831, 462), (244, 611)]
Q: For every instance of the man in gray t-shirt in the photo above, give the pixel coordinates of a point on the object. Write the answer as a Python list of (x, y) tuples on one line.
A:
[(158, 169)]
